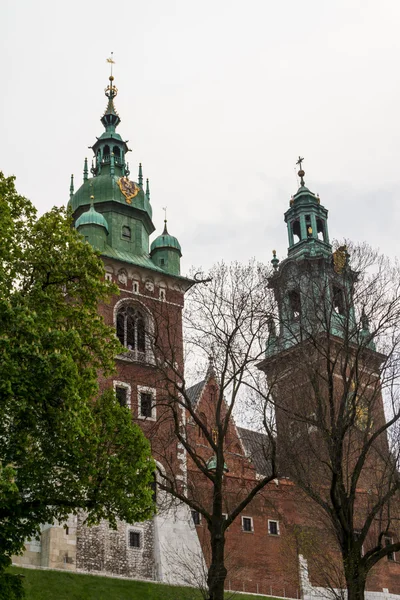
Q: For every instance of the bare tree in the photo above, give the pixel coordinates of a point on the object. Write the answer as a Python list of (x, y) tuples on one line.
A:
[(332, 365), (227, 320)]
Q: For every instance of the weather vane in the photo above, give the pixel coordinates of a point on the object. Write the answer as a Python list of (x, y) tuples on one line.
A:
[(111, 61), (301, 172)]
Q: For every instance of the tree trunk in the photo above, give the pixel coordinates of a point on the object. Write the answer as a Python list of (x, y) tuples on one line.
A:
[(355, 580), (217, 571)]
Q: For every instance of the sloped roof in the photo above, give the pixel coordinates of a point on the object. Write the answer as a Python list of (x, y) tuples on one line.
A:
[(256, 446), (194, 392)]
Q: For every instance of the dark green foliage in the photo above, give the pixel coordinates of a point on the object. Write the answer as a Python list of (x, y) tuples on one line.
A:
[(11, 587), (61, 449)]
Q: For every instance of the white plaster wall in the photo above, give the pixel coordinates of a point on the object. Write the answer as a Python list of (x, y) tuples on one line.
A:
[(178, 555)]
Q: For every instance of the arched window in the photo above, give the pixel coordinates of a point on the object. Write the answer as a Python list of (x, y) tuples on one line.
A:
[(106, 154), (131, 330)]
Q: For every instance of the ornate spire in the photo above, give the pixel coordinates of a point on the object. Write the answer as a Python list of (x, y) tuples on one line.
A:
[(85, 171), (71, 187), (110, 119), (147, 189), (140, 175)]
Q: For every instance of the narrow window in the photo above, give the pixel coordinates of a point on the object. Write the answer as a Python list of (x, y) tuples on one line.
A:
[(296, 231), (126, 232), (108, 277), (135, 287), (196, 517), (308, 226), (134, 539), (106, 154), (122, 395), (146, 401), (67, 530), (295, 305), (321, 230), (162, 262), (273, 527), (247, 524), (162, 294), (117, 152), (391, 555), (338, 300)]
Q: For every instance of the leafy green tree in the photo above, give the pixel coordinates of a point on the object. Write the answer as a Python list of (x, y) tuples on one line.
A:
[(63, 447)]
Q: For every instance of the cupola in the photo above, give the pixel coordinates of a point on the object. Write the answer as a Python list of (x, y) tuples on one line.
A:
[(166, 252), (93, 226)]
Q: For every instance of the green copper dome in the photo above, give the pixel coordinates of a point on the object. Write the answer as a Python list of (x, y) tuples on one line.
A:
[(92, 217), (165, 240)]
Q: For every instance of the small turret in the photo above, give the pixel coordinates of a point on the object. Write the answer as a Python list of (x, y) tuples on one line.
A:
[(166, 252), (93, 226)]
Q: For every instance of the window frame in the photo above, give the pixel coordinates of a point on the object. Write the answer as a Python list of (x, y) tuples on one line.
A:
[(278, 531), (139, 532), (251, 530), (127, 386), (143, 389), (135, 355)]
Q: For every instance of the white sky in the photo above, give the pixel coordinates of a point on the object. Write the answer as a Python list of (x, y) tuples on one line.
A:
[(218, 99)]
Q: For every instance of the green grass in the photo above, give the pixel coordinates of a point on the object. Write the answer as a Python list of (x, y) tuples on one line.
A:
[(55, 585)]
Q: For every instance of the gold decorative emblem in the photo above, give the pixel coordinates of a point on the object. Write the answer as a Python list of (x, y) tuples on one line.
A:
[(128, 188), (340, 259)]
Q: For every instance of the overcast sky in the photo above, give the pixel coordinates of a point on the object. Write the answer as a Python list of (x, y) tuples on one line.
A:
[(217, 99)]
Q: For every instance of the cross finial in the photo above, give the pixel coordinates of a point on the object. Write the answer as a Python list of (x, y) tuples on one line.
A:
[(165, 232), (301, 172)]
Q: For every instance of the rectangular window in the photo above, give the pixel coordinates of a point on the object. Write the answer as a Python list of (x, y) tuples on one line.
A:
[(134, 539), (247, 524), (108, 277), (391, 556), (122, 395), (196, 517), (162, 294), (146, 401), (273, 527)]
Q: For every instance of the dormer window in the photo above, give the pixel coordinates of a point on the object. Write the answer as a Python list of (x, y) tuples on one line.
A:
[(295, 305), (126, 232)]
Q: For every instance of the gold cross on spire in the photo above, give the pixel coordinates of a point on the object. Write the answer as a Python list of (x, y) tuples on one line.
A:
[(301, 172)]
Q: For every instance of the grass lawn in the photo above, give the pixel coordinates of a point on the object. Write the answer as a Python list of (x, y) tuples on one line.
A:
[(54, 585)]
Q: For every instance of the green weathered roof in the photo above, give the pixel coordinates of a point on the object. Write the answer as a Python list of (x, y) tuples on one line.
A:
[(142, 260), (92, 217), (104, 188), (166, 241)]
